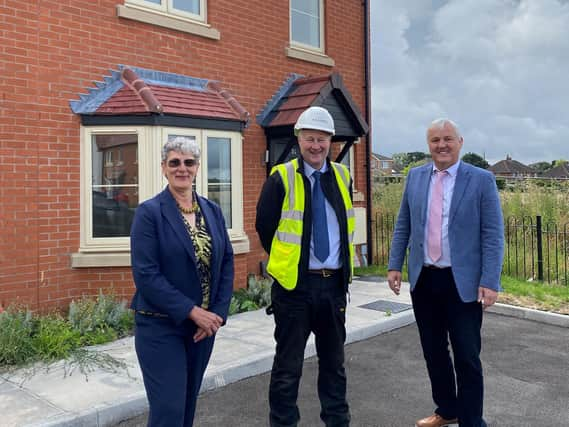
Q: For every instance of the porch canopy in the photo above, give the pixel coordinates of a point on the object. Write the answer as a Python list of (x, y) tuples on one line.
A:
[(293, 97)]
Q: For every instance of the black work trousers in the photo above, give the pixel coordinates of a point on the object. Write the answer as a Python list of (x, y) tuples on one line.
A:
[(440, 316), (318, 305)]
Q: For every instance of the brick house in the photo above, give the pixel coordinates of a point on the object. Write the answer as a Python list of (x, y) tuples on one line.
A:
[(561, 171), (91, 90), (381, 165), (509, 168)]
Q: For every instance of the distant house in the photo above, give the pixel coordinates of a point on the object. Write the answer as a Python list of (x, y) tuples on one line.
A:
[(512, 169), (383, 166), (558, 172)]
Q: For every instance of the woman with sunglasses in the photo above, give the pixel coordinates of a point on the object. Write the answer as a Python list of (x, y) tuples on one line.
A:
[(182, 264)]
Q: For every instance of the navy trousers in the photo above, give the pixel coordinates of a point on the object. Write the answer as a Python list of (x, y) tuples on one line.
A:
[(172, 367), (441, 315), (318, 305)]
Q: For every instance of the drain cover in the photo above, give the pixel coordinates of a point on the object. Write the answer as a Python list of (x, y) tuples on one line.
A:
[(384, 305)]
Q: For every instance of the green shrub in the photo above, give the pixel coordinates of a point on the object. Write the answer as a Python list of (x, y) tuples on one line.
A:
[(257, 295), (54, 338), (16, 343), (26, 338), (98, 318)]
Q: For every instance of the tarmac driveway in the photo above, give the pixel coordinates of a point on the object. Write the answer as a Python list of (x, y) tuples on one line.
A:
[(526, 369)]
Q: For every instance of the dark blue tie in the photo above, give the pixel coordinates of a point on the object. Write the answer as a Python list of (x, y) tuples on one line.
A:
[(319, 225)]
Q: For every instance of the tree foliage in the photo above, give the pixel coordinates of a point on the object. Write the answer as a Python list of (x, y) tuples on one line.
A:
[(541, 166), (476, 160), (415, 164), (405, 159)]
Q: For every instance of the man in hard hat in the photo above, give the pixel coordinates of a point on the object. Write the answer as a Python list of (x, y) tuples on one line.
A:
[(306, 222)]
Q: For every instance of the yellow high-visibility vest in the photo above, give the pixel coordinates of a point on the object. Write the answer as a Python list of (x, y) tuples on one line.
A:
[(285, 248)]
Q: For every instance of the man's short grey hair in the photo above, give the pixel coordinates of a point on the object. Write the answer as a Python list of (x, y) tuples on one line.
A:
[(181, 144), (440, 123)]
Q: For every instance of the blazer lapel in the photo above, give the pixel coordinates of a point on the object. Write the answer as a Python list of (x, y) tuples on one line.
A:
[(172, 215), (423, 194), (461, 183)]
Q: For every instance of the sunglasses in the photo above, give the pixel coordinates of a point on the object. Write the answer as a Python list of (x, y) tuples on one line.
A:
[(175, 163)]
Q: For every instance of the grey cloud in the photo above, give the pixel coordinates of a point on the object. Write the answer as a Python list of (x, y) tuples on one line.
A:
[(497, 67)]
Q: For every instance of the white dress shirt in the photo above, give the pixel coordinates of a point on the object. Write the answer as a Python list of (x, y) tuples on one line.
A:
[(333, 260), (448, 189)]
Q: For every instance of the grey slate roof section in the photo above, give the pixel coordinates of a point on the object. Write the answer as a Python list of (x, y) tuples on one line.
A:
[(263, 116), (98, 95), (381, 156), (170, 79), (560, 171), (89, 103)]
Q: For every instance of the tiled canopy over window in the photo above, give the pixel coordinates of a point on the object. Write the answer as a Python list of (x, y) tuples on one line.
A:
[(125, 121)]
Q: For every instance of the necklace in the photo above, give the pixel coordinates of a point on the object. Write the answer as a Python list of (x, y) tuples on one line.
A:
[(188, 211)]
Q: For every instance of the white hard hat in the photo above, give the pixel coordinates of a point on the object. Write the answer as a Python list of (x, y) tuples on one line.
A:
[(315, 118)]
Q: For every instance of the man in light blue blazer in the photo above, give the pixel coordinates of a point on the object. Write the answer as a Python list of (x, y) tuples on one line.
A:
[(450, 220)]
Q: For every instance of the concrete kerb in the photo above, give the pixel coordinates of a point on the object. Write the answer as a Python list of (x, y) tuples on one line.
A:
[(531, 314), (261, 362), (105, 415)]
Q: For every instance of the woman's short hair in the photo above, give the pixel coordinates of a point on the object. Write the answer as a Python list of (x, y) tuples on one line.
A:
[(181, 144)]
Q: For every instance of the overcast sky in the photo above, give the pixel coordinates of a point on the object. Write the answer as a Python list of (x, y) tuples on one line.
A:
[(499, 68)]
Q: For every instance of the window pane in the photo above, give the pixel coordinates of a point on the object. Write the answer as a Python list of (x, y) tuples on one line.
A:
[(346, 160), (277, 146), (191, 6), (310, 7), (154, 1), (305, 22), (114, 184), (219, 175)]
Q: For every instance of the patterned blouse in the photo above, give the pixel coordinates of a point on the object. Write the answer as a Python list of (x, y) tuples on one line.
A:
[(202, 245)]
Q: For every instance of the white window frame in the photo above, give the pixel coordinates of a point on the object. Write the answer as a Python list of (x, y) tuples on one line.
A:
[(303, 46), (164, 15), (236, 232), (352, 153), (115, 251), (166, 7)]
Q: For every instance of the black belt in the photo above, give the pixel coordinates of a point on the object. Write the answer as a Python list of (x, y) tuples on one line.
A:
[(324, 272), (151, 313), (434, 267)]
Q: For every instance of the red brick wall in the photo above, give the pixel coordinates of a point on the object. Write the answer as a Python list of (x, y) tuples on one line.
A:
[(50, 51)]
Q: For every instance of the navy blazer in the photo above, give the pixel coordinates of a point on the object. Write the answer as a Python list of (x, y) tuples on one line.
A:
[(164, 264), (475, 229)]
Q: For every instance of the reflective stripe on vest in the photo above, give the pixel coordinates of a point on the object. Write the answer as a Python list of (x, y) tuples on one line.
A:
[(286, 245), (343, 178)]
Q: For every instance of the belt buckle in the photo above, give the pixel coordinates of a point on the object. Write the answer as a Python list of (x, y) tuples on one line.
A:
[(326, 273)]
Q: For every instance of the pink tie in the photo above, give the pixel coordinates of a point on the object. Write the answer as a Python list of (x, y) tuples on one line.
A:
[(435, 224)]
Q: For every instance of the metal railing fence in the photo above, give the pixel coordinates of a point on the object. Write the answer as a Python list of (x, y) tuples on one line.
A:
[(533, 250)]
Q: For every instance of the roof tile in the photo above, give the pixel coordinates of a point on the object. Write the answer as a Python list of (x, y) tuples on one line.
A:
[(135, 91)]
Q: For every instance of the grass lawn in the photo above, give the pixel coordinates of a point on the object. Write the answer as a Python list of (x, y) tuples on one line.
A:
[(536, 295)]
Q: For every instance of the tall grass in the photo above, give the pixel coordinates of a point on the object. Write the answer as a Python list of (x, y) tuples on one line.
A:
[(520, 200), (550, 199)]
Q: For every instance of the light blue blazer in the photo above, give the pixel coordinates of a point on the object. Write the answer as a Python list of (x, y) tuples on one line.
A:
[(476, 229)]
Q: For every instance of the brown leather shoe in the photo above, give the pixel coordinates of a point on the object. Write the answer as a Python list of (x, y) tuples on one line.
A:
[(435, 420)]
